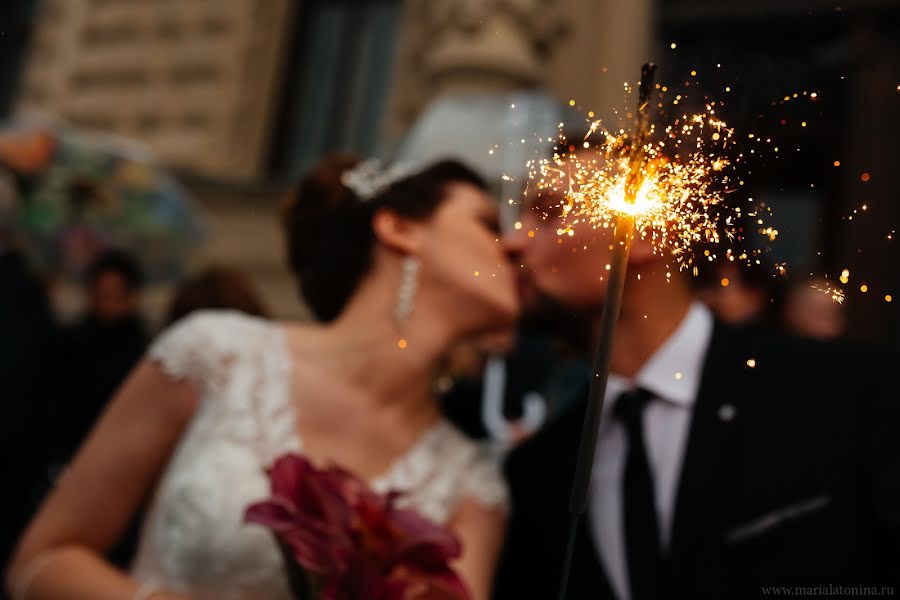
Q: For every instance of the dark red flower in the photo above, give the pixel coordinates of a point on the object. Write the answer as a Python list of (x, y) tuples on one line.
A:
[(358, 545)]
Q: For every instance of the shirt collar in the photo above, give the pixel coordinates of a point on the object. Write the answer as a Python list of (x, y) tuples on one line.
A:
[(674, 371)]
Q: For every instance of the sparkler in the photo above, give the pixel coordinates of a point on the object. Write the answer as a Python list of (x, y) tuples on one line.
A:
[(624, 235), (672, 182)]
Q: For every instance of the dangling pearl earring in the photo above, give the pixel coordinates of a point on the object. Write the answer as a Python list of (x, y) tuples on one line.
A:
[(407, 292)]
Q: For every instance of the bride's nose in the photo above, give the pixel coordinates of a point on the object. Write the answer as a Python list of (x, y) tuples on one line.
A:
[(514, 243)]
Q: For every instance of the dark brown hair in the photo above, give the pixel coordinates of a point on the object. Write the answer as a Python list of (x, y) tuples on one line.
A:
[(329, 229), (216, 287), (121, 262)]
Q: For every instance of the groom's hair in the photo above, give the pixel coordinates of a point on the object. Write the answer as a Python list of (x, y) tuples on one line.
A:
[(328, 228)]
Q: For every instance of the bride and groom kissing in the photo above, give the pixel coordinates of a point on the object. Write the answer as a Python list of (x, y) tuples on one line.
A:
[(713, 477)]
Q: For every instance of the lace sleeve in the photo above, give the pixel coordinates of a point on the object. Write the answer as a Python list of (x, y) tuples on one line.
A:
[(188, 350), (483, 482)]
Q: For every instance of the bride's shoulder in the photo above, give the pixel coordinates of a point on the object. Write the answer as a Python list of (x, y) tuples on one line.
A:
[(196, 344)]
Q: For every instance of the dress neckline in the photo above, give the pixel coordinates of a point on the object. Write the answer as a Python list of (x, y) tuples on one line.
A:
[(426, 439)]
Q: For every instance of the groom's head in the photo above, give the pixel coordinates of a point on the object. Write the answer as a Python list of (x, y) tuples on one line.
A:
[(571, 269)]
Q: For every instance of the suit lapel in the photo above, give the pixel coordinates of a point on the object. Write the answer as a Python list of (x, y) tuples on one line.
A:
[(718, 406)]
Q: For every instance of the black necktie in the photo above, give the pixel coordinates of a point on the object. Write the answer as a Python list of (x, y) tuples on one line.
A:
[(642, 546)]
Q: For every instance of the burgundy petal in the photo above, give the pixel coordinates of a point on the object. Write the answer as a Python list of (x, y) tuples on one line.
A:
[(358, 544)]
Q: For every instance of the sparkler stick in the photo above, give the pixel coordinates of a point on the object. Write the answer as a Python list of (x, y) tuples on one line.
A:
[(624, 234)]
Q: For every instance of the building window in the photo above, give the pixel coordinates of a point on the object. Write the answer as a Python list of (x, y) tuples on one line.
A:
[(337, 81)]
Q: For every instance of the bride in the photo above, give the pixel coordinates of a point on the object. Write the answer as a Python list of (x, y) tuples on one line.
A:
[(397, 267)]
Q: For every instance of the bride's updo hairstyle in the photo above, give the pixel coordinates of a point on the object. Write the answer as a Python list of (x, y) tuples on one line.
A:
[(329, 231)]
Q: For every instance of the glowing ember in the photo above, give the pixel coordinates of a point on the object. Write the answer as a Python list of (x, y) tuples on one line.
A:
[(837, 294)]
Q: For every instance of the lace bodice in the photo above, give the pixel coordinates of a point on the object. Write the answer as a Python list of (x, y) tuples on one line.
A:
[(194, 540)]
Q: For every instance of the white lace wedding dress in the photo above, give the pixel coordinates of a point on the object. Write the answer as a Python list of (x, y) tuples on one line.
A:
[(194, 539)]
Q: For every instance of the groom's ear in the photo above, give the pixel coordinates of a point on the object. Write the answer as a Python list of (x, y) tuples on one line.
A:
[(399, 233)]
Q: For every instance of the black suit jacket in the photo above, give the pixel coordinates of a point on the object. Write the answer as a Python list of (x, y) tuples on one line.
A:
[(796, 482)]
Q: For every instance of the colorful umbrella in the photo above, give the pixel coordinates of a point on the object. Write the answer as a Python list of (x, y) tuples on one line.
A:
[(80, 194)]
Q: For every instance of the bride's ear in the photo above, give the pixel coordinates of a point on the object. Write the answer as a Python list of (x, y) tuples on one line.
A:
[(398, 233)]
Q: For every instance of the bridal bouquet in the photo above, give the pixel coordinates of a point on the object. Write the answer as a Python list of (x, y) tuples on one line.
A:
[(343, 541)]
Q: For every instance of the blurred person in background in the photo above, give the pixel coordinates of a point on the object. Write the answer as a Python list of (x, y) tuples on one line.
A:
[(93, 357), (459, 382), (216, 287), (397, 268), (98, 351), (27, 335), (741, 294), (808, 312), (522, 379)]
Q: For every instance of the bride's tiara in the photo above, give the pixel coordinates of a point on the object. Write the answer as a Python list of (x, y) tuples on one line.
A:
[(370, 178)]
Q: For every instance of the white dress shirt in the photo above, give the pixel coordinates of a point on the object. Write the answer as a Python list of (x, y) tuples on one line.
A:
[(673, 376)]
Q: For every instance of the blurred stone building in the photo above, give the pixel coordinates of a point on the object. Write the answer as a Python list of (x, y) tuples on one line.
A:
[(241, 96)]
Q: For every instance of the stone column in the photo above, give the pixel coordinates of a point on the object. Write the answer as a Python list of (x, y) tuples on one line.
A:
[(461, 46), (576, 49)]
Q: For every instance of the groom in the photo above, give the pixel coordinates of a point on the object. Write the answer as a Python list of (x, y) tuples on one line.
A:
[(729, 462)]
